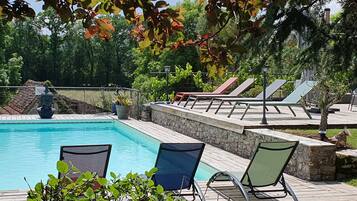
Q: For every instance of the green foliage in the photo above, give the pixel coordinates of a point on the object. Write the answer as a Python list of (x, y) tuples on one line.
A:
[(199, 82), (89, 187), (122, 99), (351, 140), (352, 182), (53, 50), (10, 74), (154, 85)]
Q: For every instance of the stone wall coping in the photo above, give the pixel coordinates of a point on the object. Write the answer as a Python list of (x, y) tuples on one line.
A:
[(348, 152), (290, 137), (199, 117)]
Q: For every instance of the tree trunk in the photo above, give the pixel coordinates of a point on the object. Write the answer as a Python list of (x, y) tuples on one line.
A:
[(91, 62), (324, 107)]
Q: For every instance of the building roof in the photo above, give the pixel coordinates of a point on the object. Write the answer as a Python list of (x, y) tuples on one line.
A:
[(23, 100)]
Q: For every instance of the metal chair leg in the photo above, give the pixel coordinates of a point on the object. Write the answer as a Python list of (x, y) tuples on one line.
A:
[(233, 108), (194, 103), (210, 104), (180, 100), (292, 111), (199, 191), (291, 192), (277, 109), (188, 99), (219, 106), (307, 112), (245, 112)]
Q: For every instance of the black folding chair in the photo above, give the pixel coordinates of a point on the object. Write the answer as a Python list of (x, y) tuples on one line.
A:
[(177, 164), (93, 158)]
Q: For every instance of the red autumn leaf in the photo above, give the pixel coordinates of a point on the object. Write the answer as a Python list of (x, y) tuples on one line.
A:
[(104, 35), (176, 25), (91, 31), (205, 36), (105, 24), (203, 44)]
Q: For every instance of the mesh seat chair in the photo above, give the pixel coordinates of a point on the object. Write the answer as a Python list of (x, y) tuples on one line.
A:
[(177, 164), (180, 96), (265, 170), (270, 90), (235, 93), (93, 158), (292, 100)]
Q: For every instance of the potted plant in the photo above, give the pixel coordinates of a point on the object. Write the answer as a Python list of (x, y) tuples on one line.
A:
[(122, 105)]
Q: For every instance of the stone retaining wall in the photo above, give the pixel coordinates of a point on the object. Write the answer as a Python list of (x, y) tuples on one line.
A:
[(313, 159), (346, 164)]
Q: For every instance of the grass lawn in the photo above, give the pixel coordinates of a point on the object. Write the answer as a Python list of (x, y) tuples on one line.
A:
[(352, 140)]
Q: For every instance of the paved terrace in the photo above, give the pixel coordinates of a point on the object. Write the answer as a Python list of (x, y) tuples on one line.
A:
[(275, 120), (217, 158)]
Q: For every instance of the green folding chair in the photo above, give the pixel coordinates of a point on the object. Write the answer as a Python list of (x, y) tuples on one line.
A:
[(265, 169)]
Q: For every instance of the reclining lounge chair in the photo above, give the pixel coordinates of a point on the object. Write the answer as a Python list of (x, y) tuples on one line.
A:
[(270, 90), (180, 96), (235, 93), (177, 164), (292, 100), (265, 169)]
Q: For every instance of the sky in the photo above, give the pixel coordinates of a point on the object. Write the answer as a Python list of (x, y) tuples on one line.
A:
[(335, 7)]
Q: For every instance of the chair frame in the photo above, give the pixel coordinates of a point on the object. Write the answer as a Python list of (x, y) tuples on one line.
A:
[(244, 86), (93, 145), (353, 99), (287, 190), (258, 98), (180, 96), (275, 104), (196, 190)]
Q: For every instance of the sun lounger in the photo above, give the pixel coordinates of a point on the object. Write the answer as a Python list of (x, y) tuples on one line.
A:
[(264, 170), (236, 92), (270, 90), (180, 96), (292, 100)]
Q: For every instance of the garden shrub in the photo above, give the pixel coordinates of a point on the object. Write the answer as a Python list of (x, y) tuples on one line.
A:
[(89, 187)]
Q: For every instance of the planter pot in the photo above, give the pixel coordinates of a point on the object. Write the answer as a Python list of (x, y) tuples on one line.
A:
[(122, 111)]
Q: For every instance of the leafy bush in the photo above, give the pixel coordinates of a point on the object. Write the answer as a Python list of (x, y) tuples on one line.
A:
[(89, 187), (123, 100), (154, 86)]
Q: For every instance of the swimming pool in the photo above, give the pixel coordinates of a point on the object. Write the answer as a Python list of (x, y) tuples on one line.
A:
[(31, 149)]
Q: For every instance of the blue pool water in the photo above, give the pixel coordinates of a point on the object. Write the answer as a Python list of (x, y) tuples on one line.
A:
[(31, 150)]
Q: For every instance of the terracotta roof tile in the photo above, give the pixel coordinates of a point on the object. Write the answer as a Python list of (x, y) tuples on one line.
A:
[(23, 99)]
